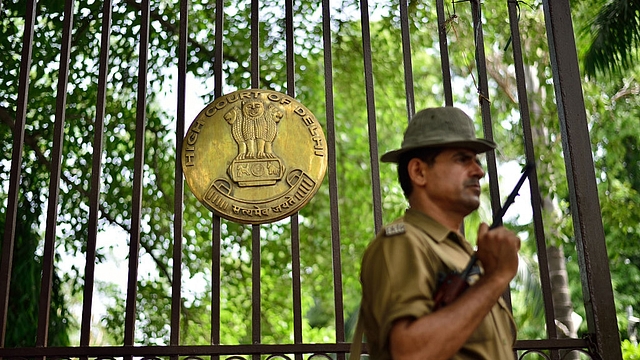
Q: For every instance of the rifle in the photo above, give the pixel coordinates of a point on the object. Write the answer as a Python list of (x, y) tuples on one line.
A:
[(453, 284)]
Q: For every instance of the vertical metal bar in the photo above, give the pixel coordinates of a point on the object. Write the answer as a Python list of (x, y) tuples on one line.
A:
[(485, 108), (16, 166), (333, 178), (218, 50), (444, 53), (483, 95), (216, 227), (337, 266), (136, 216), (94, 199), (295, 226), (255, 231), (371, 111), (255, 44), (290, 47), (54, 180), (296, 287), (215, 283), (536, 201), (178, 201), (256, 328), (585, 206), (406, 53)]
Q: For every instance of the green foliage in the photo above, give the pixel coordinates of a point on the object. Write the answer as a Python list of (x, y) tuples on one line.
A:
[(611, 108), (22, 316), (614, 114), (612, 35), (630, 351)]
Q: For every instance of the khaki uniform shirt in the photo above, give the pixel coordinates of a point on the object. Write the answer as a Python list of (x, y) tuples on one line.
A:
[(399, 277)]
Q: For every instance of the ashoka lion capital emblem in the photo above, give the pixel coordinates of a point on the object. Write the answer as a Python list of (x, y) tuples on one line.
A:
[(254, 156), (254, 129)]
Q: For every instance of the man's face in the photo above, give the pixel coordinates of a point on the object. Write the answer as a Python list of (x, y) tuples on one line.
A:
[(453, 182)]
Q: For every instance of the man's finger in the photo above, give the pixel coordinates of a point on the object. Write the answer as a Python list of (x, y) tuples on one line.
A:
[(482, 230)]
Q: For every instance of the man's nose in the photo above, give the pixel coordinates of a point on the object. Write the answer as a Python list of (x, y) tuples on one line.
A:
[(478, 170)]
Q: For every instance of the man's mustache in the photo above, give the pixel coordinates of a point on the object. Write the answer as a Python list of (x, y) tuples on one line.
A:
[(472, 182)]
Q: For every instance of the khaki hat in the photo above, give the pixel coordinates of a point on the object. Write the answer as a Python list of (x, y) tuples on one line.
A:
[(439, 127)]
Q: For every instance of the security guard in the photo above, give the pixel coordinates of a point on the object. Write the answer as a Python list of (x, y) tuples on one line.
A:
[(440, 174)]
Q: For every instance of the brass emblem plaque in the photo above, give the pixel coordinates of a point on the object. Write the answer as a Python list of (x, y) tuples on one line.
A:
[(254, 156)]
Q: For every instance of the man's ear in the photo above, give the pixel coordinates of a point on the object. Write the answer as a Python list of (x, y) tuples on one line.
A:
[(416, 169)]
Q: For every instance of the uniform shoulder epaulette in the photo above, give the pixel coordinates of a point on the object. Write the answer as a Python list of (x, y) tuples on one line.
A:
[(394, 229)]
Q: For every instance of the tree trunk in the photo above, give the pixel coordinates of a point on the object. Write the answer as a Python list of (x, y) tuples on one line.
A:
[(561, 295), (560, 292)]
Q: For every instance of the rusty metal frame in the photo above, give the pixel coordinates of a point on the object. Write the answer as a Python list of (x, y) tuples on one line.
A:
[(603, 340)]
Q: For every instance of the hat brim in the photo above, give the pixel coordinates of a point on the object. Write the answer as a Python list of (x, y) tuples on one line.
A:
[(479, 146)]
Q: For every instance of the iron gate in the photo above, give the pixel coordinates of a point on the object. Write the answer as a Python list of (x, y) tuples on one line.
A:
[(603, 339)]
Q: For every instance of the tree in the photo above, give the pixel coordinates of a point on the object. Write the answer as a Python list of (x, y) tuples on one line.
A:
[(613, 34), (25, 281), (614, 118)]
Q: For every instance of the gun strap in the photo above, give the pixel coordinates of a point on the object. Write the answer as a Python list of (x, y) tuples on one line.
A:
[(356, 344), (440, 252)]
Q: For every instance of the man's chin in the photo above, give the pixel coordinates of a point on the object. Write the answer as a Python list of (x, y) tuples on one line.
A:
[(472, 204)]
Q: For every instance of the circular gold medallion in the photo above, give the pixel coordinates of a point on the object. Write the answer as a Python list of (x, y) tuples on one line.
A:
[(254, 156)]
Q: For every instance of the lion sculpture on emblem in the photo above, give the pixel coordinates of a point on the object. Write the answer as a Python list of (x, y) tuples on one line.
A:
[(254, 128)]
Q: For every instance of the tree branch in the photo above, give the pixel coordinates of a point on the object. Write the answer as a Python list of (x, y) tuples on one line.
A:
[(501, 80), (627, 90)]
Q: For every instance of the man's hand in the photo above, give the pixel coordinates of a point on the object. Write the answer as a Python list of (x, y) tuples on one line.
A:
[(440, 334), (498, 251)]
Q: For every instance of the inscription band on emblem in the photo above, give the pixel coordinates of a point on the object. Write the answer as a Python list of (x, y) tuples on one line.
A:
[(254, 156)]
